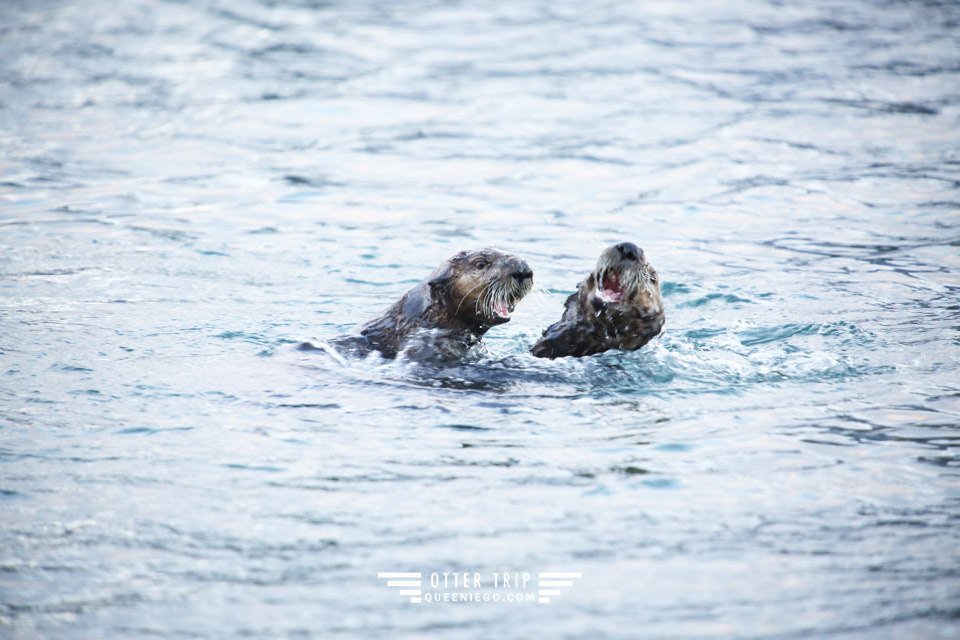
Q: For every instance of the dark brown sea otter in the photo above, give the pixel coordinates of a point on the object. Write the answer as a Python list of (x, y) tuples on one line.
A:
[(618, 306), (449, 312)]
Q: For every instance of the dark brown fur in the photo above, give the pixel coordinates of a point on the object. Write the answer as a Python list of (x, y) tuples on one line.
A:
[(592, 325), (449, 311)]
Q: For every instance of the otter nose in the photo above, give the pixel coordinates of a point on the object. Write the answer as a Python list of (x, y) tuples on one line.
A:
[(629, 251), (521, 271)]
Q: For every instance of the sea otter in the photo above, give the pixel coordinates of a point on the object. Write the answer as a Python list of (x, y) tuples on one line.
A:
[(618, 306), (449, 312)]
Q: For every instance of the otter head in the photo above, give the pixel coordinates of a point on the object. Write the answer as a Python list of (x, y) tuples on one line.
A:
[(624, 280), (481, 288)]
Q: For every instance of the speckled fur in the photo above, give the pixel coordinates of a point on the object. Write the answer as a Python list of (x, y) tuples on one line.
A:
[(589, 325)]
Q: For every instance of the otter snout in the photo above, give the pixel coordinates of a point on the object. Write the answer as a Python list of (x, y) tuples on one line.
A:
[(629, 251), (523, 272), (517, 269)]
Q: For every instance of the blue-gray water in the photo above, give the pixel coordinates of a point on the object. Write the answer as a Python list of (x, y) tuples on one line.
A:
[(187, 189)]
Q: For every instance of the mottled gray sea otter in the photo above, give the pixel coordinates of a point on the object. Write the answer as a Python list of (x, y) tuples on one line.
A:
[(449, 312), (618, 306)]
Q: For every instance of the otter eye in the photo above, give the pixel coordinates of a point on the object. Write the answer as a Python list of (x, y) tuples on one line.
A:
[(480, 263)]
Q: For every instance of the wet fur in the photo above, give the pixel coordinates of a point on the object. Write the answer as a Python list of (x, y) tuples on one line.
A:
[(589, 325), (449, 311)]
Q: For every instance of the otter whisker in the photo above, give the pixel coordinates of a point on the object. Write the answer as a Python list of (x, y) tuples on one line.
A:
[(489, 298), (510, 290), (499, 294), (634, 284), (480, 304), (486, 299), (465, 297), (521, 288), (496, 297)]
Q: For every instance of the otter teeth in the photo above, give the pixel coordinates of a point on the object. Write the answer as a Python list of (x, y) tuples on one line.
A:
[(502, 309), (609, 287)]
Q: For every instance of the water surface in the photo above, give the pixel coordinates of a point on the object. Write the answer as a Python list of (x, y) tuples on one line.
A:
[(190, 188)]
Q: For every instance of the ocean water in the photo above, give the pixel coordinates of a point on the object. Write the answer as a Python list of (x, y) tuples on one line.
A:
[(189, 189)]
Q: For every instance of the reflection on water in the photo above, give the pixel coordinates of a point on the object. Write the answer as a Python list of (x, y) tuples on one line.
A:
[(191, 189)]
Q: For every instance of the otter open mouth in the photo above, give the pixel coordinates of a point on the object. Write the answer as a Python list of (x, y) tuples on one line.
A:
[(610, 286), (503, 299), (500, 298), (503, 309)]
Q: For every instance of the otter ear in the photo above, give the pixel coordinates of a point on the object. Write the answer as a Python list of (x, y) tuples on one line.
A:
[(439, 280)]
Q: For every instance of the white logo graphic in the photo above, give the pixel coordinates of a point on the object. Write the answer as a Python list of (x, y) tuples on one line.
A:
[(409, 583), (549, 580), (476, 587)]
